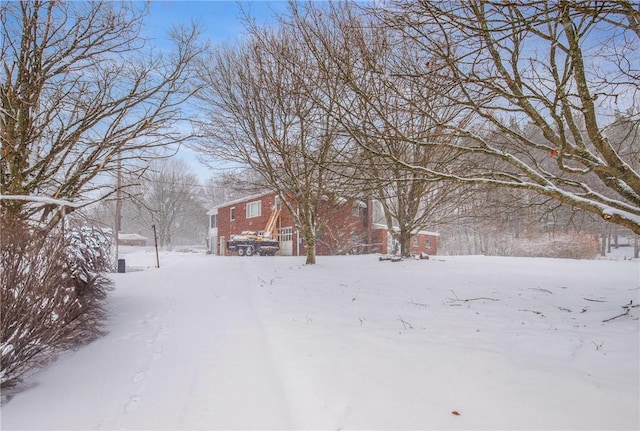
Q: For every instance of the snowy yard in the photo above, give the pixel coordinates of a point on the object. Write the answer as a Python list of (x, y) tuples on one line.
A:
[(209, 342)]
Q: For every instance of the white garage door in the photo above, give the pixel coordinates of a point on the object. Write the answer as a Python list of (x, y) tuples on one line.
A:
[(286, 241)]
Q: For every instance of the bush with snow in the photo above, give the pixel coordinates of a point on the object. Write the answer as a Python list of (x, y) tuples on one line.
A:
[(573, 245), (52, 287)]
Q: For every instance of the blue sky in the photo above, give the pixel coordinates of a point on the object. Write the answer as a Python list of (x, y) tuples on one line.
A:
[(220, 20)]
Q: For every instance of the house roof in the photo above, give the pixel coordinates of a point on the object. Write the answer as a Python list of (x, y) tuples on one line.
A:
[(214, 210)]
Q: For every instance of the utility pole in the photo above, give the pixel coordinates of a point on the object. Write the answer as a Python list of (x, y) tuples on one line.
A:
[(155, 239), (117, 223)]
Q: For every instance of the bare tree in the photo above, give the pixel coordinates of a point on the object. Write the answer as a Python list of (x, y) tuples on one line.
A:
[(372, 111), (226, 187), (81, 93), (259, 114), (562, 69), (169, 197)]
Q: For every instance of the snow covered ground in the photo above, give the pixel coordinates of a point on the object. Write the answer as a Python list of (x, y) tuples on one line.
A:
[(472, 342)]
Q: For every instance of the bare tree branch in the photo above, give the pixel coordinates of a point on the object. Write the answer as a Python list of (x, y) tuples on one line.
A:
[(80, 93)]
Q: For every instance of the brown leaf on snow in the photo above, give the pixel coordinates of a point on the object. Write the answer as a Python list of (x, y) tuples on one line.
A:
[(455, 413)]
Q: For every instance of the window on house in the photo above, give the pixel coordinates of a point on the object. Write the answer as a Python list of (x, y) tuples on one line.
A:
[(416, 241), (428, 242), (232, 212), (286, 234), (355, 209), (213, 221), (254, 209), (278, 202)]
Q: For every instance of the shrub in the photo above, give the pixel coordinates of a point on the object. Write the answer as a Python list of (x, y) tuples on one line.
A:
[(574, 245), (52, 290)]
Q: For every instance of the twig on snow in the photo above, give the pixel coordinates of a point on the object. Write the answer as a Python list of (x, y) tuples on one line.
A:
[(598, 346), (263, 282), (412, 302), (541, 290), (405, 323), (539, 313), (594, 300), (470, 299)]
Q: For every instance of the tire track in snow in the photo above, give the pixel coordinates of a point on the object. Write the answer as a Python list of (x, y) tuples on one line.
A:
[(235, 383), (201, 360)]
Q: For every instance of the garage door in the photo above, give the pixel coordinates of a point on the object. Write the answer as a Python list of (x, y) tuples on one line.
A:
[(286, 241)]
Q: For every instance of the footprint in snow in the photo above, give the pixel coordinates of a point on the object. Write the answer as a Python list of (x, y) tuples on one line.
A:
[(138, 377), (133, 403)]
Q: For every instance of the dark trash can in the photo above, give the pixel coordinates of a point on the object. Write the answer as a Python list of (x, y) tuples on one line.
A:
[(121, 265)]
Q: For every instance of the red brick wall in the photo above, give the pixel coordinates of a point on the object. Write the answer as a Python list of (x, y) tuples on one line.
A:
[(340, 230), (379, 241), (426, 244), (380, 238), (228, 227)]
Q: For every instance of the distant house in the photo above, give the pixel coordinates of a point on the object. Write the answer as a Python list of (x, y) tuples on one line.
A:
[(131, 239), (345, 226)]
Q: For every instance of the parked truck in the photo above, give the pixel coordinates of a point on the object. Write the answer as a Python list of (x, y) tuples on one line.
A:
[(249, 243)]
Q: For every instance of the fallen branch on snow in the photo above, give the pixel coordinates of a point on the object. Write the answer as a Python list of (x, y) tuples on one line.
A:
[(627, 308), (390, 258)]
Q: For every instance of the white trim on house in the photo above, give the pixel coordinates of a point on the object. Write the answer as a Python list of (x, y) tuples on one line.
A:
[(213, 232)]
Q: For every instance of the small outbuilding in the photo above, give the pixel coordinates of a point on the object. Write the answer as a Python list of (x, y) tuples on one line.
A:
[(131, 239)]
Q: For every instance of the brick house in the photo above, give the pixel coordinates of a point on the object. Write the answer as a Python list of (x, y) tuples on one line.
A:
[(345, 226)]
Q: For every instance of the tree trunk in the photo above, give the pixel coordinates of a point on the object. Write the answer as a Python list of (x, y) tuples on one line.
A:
[(404, 238), (308, 231), (308, 234)]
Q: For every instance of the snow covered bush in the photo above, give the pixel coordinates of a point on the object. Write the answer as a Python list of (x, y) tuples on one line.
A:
[(568, 245), (52, 289), (573, 245)]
